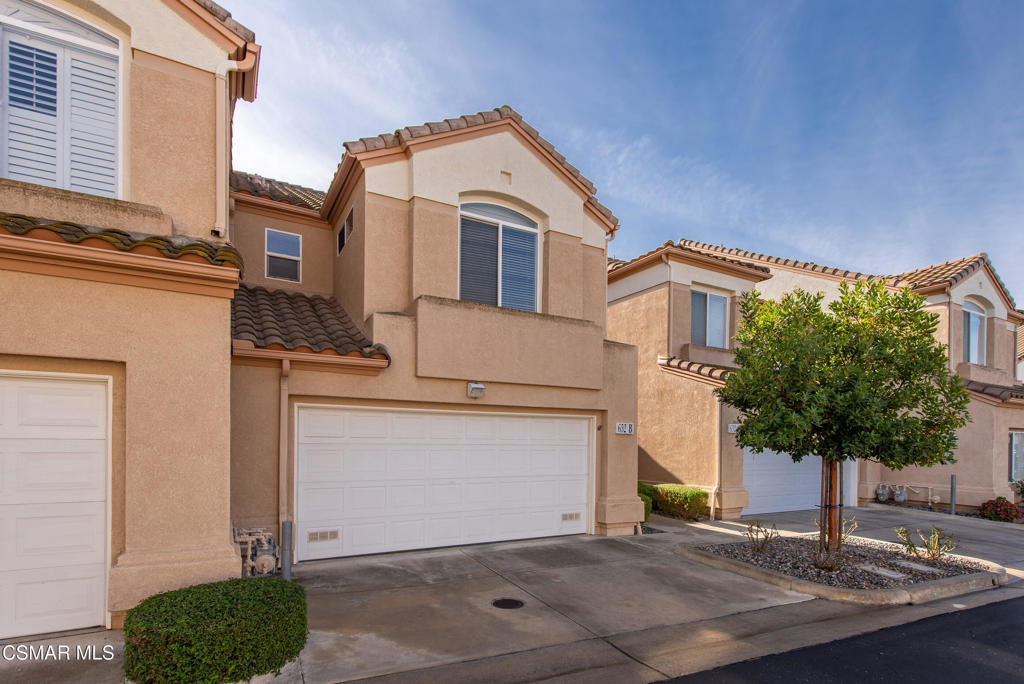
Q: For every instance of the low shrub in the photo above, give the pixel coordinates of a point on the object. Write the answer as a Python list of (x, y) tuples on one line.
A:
[(219, 632), (648, 504), (648, 491), (681, 501), (1000, 508), (933, 547)]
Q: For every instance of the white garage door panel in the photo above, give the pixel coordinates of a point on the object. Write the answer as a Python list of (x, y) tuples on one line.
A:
[(51, 599), (53, 470), (371, 481), (776, 484)]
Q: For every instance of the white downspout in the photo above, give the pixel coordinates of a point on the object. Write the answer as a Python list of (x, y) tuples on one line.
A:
[(223, 137)]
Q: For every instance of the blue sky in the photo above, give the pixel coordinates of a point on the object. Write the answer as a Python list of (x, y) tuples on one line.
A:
[(876, 136)]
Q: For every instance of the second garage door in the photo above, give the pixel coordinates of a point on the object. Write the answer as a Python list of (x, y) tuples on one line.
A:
[(373, 480)]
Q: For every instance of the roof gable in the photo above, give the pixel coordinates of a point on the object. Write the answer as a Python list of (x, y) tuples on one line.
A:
[(403, 140)]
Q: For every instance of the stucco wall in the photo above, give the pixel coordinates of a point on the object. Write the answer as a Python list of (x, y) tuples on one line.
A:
[(982, 468), (254, 424), (174, 351), (248, 234)]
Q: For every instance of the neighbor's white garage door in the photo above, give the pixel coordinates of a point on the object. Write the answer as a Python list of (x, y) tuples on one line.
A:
[(776, 484), (53, 471), (372, 480)]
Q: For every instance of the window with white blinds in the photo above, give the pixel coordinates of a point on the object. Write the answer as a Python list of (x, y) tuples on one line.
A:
[(498, 257), (60, 113)]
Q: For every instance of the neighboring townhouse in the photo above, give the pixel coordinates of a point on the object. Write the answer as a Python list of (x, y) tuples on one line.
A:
[(682, 315), (419, 354), (116, 287)]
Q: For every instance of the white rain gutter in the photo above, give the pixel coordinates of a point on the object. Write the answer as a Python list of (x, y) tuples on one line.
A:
[(223, 137)]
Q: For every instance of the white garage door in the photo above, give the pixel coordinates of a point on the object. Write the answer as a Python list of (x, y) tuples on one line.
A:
[(372, 480), (53, 470), (776, 484)]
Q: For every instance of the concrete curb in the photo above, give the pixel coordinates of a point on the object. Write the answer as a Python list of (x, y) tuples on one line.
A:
[(921, 592), (938, 515)]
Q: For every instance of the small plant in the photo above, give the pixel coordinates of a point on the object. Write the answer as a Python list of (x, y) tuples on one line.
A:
[(1019, 486), (681, 501), (831, 560), (846, 528), (932, 548), (1001, 509), (648, 503), (760, 537)]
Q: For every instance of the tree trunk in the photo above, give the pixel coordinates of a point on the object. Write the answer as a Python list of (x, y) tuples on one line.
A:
[(823, 509), (833, 507)]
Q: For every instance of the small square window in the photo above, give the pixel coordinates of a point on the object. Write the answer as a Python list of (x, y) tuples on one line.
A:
[(708, 320), (344, 231), (284, 255)]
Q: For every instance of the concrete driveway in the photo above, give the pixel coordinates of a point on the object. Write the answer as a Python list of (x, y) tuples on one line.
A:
[(595, 609), (402, 612)]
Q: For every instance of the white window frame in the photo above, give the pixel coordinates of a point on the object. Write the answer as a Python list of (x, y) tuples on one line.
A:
[(267, 254), (120, 52), (707, 320), (501, 225), (973, 309), (1015, 435)]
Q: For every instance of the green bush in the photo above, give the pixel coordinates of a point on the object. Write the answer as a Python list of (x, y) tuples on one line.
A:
[(681, 501), (648, 491), (1000, 508), (648, 504), (219, 632)]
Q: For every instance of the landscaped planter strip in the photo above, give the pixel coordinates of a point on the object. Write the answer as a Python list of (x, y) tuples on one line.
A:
[(915, 593)]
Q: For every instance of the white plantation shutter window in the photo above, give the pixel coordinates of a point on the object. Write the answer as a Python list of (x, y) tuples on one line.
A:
[(60, 113), (32, 127), (497, 257), (92, 123)]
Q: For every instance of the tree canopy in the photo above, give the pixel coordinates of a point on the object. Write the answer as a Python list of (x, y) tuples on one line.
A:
[(864, 378)]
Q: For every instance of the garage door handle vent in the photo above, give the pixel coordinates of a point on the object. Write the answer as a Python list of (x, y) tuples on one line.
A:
[(570, 516)]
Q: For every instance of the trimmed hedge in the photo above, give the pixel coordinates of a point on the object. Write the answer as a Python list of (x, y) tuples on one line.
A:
[(219, 632), (648, 491), (681, 501), (648, 504)]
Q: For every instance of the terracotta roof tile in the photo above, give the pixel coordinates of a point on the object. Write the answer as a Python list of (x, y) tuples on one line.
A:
[(721, 250), (1001, 392), (949, 273), (297, 321), (408, 133), (616, 264), (704, 369), (225, 18), (170, 246), (279, 191)]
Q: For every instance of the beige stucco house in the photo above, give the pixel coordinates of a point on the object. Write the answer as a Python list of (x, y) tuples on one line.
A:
[(419, 354), (416, 357), (677, 304)]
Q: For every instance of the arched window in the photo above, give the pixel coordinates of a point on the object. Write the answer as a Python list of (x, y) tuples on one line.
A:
[(59, 89), (498, 256), (974, 333)]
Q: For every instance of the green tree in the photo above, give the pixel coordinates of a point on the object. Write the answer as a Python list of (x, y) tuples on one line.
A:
[(863, 379)]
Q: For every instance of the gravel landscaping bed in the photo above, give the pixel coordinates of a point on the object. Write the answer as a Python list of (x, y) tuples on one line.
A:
[(791, 556)]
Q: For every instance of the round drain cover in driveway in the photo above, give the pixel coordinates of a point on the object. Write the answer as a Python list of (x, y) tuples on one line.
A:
[(507, 603)]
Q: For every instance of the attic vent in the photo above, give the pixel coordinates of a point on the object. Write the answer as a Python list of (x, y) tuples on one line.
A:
[(570, 516), (322, 536)]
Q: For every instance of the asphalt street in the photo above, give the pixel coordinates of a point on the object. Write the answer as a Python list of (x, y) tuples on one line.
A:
[(983, 644)]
